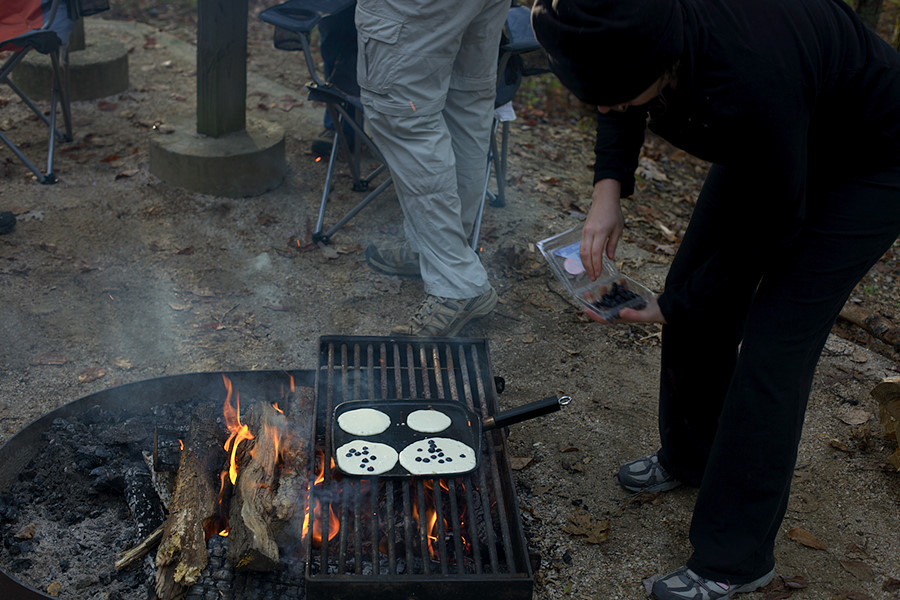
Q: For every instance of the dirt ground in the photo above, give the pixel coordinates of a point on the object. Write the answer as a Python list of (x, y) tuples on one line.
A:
[(114, 276)]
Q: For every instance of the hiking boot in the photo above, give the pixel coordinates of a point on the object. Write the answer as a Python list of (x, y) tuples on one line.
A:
[(646, 475), (684, 584), (444, 317), (394, 259)]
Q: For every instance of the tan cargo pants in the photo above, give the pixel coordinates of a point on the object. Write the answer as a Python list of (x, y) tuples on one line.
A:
[(427, 70)]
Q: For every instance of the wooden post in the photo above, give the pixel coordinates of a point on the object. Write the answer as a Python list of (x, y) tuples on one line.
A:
[(221, 66)]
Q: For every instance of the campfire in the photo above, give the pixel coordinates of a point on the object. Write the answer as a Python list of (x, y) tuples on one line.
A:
[(238, 487)]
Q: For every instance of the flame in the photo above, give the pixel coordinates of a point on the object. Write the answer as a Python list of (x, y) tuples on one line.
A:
[(239, 431), (334, 523)]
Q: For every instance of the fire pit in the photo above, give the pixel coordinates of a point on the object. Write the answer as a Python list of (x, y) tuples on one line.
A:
[(348, 537)]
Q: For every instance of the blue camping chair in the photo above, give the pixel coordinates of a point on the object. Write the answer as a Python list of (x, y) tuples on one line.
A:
[(42, 26)]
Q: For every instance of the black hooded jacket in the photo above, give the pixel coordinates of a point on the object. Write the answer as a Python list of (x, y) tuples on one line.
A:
[(787, 94)]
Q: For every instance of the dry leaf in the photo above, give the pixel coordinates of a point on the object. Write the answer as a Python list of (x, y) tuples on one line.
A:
[(855, 416), (583, 524), (843, 447), (122, 363), (49, 358), (806, 538), (91, 374), (519, 462), (127, 173), (859, 569)]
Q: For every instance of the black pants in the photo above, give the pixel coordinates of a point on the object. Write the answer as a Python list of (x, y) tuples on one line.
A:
[(734, 385)]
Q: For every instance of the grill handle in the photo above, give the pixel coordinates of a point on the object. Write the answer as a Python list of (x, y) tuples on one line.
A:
[(526, 411)]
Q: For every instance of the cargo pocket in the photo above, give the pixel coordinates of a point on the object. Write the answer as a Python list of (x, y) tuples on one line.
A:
[(378, 65)]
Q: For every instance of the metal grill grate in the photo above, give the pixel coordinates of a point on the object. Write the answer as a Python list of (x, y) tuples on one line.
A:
[(409, 538)]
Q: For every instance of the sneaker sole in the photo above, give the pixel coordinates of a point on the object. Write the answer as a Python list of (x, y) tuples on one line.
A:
[(651, 489)]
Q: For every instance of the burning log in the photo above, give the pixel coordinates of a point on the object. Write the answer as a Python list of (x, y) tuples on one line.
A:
[(182, 553), (254, 520), (294, 458)]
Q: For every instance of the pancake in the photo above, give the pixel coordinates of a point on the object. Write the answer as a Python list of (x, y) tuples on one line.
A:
[(364, 421), (438, 456), (428, 421), (362, 457)]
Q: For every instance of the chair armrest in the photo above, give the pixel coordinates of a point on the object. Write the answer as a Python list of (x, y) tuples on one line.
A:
[(518, 32), (302, 16)]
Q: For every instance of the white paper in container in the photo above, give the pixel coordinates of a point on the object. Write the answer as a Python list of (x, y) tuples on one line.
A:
[(561, 252)]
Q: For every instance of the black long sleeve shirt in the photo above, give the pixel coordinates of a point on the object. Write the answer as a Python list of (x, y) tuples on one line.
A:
[(779, 91)]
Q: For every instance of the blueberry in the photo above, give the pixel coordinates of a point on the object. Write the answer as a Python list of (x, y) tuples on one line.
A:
[(426, 460), (418, 459), (370, 469)]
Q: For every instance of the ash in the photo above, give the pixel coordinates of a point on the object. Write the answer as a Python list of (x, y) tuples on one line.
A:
[(87, 496)]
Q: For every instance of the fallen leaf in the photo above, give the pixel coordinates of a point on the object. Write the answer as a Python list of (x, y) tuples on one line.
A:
[(91, 374), (796, 582), (53, 589), (855, 416), (50, 358), (568, 449), (110, 158), (107, 106), (891, 584), (128, 173), (528, 339), (859, 569), (122, 363), (581, 523), (519, 462), (804, 537), (845, 595), (842, 446), (26, 533)]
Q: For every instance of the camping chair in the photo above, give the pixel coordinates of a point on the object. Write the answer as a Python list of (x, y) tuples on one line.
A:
[(294, 22), (44, 26)]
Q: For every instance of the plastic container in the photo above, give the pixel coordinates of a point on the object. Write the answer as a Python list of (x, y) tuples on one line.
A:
[(605, 296)]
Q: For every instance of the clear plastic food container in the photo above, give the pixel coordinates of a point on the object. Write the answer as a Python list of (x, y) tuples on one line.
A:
[(605, 296)]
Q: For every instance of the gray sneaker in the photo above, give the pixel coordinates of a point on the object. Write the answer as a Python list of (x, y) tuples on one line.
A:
[(646, 475), (394, 259), (444, 317), (684, 584)]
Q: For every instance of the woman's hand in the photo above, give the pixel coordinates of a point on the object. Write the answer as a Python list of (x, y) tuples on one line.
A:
[(648, 314), (602, 228)]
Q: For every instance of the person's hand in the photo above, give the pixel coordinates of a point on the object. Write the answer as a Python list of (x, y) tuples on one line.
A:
[(602, 228), (649, 314)]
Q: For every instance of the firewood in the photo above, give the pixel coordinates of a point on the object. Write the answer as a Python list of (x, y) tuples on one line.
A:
[(251, 539), (880, 328), (294, 459), (888, 395), (182, 552), (142, 500), (132, 555)]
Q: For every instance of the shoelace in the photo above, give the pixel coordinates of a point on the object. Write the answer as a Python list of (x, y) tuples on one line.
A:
[(426, 308)]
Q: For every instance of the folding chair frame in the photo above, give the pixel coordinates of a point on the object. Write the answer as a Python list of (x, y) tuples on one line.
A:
[(59, 62)]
